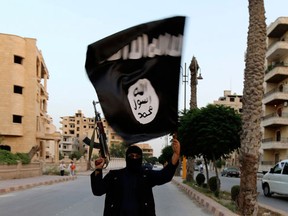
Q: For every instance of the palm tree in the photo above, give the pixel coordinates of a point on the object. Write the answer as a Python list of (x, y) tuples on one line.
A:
[(193, 105), (252, 108)]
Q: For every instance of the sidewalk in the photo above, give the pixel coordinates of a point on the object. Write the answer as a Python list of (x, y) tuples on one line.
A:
[(11, 185), (211, 205)]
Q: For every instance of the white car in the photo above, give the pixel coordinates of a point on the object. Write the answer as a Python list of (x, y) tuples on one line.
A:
[(276, 180)]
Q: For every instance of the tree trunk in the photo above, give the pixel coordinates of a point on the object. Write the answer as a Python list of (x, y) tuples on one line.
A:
[(206, 167), (216, 173), (193, 105), (190, 169), (177, 172), (252, 108)]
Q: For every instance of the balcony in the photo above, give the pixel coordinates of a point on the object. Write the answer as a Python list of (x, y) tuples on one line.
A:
[(276, 73), (275, 97), (271, 143), (275, 120), (277, 50), (278, 28)]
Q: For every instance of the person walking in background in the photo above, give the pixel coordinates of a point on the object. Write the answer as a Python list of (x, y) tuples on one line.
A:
[(62, 167), (72, 168)]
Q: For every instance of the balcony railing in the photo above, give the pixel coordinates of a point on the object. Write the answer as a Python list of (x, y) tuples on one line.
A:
[(267, 162), (283, 139), (272, 143), (275, 119), (272, 115), (277, 50), (277, 64), (275, 90)]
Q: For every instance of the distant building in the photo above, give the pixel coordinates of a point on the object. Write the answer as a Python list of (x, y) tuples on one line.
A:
[(76, 128), (274, 145), (146, 149), (25, 125), (234, 101), (230, 100)]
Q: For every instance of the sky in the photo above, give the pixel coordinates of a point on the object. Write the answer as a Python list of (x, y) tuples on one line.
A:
[(215, 33)]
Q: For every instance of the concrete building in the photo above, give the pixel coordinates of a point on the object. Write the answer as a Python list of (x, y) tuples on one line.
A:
[(25, 125), (146, 149), (274, 145), (234, 101), (76, 128), (231, 100)]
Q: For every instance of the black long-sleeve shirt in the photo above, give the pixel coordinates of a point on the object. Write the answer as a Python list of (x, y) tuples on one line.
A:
[(130, 194)]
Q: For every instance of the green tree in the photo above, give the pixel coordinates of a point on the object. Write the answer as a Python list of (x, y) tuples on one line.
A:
[(151, 160), (166, 155), (212, 132), (76, 154), (252, 107), (117, 150)]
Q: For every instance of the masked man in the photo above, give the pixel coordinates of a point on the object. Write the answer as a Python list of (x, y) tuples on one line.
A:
[(129, 190)]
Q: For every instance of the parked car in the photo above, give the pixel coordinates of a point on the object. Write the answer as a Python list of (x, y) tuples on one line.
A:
[(276, 180), (147, 166), (230, 172)]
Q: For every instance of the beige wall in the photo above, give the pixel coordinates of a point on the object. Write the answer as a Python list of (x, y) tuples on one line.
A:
[(31, 75)]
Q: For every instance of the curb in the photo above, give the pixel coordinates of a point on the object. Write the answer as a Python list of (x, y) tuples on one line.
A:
[(211, 205), (272, 209), (27, 186)]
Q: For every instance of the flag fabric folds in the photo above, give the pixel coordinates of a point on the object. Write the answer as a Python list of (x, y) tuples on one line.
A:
[(135, 73)]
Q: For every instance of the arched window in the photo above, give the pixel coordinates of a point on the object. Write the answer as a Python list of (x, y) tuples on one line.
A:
[(5, 147)]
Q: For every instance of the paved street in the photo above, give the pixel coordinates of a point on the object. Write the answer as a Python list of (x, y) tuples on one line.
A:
[(74, 198)]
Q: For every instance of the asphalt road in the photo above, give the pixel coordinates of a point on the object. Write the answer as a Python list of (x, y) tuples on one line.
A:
[(276, 201), (74, 198)]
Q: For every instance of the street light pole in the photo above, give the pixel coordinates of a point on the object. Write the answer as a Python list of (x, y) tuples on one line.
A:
[(185, 81)]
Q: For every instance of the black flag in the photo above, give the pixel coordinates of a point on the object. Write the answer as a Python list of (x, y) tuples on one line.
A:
[(135, 73)]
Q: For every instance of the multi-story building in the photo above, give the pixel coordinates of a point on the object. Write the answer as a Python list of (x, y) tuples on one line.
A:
[(231, 100), (25, 125), (234, 101), (146, 149), (274, 145), (76, 128)]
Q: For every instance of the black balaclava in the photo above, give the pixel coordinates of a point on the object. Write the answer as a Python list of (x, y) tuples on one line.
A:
[(133, 164)]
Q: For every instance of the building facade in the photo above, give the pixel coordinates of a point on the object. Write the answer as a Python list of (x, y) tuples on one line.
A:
[(274, 145), (76, 128), (231, 100), (234, 101), (25, 124), (146, 149)]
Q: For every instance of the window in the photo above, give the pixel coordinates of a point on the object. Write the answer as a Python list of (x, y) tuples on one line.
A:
[(277, 169), (285, 169), (232, 99), (17, 119), (18, 59), (18, 89)]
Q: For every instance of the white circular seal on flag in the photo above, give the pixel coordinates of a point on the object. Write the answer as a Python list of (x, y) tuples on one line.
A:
[(143, 100)]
